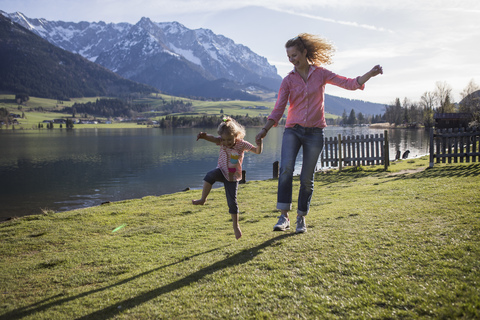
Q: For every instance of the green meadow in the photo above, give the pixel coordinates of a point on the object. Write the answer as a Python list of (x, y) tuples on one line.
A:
[(396, 244), (52, 107)]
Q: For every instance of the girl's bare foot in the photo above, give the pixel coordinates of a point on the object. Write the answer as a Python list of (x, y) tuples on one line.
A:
[(198, 202), (238, 232)]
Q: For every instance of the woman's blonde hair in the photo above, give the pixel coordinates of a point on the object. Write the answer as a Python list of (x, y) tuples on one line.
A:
[(319, 51), (230, 126)]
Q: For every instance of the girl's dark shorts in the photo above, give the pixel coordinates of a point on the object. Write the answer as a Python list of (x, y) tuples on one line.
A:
[(231, 188)]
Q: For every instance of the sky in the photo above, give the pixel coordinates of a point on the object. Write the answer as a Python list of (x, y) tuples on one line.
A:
[(419, 43)]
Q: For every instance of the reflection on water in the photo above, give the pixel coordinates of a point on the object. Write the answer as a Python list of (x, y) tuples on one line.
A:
[(63, 170)]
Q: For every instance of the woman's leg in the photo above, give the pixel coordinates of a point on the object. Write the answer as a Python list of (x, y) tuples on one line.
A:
[(290, 146), (313, 142)]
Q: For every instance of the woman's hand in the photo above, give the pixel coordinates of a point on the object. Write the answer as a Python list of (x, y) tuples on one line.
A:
[(376, 71), (262, 134), (370, 74)]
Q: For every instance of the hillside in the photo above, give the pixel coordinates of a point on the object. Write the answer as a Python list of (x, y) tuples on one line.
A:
[(33, 66), (337, 105)]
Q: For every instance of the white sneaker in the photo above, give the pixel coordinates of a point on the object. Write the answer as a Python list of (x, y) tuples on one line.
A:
[(301, 225), (282, 224)]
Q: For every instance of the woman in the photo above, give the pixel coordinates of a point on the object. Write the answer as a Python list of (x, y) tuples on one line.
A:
[(304, 88)]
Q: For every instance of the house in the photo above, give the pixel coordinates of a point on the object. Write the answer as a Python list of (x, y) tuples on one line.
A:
[(452, 120)]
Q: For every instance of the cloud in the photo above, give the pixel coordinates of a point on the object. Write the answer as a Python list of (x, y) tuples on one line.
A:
[(346, 23)]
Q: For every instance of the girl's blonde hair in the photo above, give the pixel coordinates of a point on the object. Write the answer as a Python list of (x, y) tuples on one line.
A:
[(319, 51), (230, 126)]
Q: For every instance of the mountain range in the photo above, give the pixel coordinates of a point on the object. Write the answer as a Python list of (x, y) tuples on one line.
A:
[(174, 59), (33, 66), (168, 56)]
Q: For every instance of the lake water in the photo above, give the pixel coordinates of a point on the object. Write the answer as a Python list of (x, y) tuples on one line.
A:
[(62, 170)]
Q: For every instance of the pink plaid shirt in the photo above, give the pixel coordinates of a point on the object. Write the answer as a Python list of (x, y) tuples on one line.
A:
[(307, 98), (230, 159)]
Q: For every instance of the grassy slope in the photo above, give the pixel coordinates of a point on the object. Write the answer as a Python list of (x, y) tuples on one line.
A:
[(200, 108), (382, 245)]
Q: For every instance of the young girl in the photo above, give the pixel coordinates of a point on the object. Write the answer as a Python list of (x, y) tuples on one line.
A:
[(229, 167)]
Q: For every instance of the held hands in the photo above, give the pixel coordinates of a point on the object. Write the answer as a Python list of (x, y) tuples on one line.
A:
[(259, 137)]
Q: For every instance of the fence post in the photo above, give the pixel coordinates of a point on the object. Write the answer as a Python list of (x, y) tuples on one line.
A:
[(431, 148), (474, 139), (468, 142), (340, 160), (462, 140), (244, 174), (275, 169), (386, 160)]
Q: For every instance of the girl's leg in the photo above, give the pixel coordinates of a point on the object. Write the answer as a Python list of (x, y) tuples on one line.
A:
[(231, 189), (208, 181), (207, 187), (236, 226)]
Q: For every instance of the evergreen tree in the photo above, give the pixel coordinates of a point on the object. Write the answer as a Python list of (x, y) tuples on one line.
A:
[(352, 119)]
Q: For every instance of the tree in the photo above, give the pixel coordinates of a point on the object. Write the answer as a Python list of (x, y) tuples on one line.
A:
[(415, 114), (352, 119), (427, 102), (4, 116), (361, 118), (69, 124), (443, 94), (406, 115), (21, 98), (471, 100), (393, 112), (344, 117)]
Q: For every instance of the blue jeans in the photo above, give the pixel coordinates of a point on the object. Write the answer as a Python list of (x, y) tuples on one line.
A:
[(312, 141)]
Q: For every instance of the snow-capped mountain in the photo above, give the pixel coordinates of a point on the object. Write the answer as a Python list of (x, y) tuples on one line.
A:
[(32, 66), (165, 55)]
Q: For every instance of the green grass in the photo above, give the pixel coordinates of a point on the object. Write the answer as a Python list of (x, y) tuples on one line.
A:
[(234, 107), (380, 245), (33, 118)]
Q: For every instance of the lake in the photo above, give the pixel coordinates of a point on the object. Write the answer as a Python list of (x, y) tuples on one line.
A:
[(62, 170)]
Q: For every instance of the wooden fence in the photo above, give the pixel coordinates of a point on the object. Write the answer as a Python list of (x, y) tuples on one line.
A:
[(454, 144), (356, 150)]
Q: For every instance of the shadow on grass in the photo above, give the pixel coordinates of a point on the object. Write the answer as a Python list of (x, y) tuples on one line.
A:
[(109, 312), (347, 175), (40, 306), (448, 171)]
